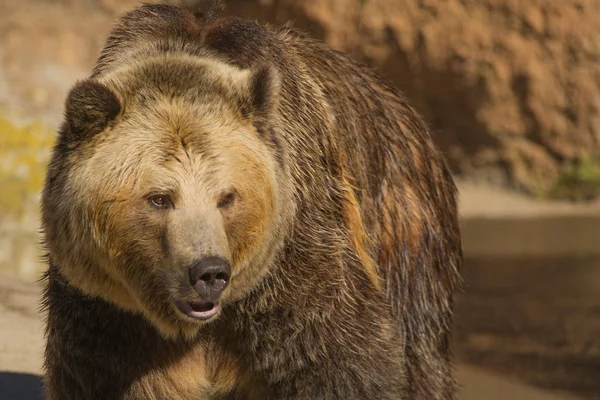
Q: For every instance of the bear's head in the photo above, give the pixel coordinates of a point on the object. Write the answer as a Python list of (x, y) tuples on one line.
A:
[(166, 190)]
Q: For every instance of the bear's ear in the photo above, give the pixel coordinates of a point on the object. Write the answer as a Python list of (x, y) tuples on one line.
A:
[(265, 82), (90, 108)]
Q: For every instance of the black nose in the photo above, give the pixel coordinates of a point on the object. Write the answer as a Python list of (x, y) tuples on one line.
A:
[(210, 277)]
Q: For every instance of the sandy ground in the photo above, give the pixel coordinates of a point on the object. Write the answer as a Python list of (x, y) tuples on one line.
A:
[(480, 201)]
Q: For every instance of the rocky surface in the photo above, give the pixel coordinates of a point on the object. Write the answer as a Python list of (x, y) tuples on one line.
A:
[(511, 88)]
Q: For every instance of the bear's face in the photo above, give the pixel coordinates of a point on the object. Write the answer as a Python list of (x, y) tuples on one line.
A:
[(163, 195)]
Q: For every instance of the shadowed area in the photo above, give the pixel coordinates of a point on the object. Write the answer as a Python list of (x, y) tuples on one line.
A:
[(534, 319), (19, 386)]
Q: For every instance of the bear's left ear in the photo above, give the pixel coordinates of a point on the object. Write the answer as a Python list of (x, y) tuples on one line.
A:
[(90, 108), (265, 82)]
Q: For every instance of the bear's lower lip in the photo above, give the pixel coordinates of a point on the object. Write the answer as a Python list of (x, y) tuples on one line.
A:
[(198, 309)]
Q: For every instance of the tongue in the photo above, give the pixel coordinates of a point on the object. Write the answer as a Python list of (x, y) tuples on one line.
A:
[(202, 307)]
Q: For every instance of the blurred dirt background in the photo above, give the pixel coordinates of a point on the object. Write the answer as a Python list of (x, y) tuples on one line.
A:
[(512, 88), (512, 91)]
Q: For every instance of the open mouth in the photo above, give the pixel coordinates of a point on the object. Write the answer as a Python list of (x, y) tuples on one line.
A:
[(198, 309)]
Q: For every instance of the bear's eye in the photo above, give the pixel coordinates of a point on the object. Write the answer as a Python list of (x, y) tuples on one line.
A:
[(160, 201), (226, 200)]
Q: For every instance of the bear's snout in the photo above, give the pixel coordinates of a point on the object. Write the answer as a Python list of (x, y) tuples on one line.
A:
[(209, 277)]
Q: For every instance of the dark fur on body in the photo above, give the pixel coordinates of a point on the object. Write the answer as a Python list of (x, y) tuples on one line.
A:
[(357, 301)]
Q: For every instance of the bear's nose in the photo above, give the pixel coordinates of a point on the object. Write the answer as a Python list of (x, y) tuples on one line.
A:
[(210, 277)]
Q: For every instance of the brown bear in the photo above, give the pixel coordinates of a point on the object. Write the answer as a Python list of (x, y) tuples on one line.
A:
[(237, 212)]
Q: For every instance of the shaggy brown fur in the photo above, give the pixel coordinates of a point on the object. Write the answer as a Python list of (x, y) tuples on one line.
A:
[(313, 176)]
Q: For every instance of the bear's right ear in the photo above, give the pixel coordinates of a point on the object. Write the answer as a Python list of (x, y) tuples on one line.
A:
[(90, 108)]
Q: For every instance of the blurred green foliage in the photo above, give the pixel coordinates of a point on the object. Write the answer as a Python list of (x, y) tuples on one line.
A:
[(579, 181)]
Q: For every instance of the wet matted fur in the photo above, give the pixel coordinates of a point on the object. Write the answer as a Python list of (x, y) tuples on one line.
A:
[(343, 237)]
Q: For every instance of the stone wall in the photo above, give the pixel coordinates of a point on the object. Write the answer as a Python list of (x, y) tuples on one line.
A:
[(512, 88)]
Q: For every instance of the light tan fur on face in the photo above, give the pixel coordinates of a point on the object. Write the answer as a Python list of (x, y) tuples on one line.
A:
[(195, 149)]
